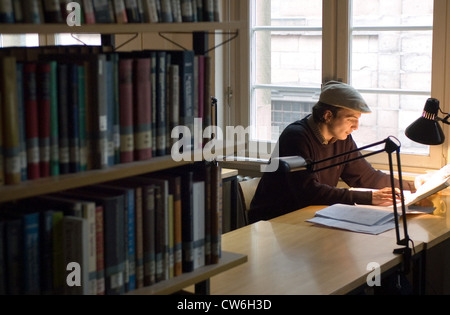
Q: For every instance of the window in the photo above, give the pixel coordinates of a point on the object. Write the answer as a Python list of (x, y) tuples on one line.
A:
[(384, 48), (28, 40)]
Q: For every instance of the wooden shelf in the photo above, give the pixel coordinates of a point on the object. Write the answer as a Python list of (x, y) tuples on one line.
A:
[(117, 28), (227, 261), (53, 184)]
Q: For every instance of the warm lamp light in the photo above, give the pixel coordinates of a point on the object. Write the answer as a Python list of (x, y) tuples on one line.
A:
[(426, 129)]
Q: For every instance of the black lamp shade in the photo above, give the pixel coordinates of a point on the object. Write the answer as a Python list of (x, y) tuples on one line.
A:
[(426, 129)]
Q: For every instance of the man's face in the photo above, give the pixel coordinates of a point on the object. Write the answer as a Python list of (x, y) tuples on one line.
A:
[(345, 122)]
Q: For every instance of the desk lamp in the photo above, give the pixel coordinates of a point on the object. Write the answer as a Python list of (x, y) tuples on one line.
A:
[(426, 129), (298, 163)]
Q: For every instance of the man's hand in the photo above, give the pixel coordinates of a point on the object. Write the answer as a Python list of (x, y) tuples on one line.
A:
[(383, 197)]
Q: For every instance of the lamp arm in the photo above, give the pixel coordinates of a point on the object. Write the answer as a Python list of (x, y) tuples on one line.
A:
[(445, 119)]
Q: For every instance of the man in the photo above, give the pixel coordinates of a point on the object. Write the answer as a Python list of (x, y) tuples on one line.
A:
[(324, 133)]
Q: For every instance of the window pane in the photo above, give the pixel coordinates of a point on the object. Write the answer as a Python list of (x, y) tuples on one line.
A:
[(288, 58), (288, 13), (78, 39), (391, 60), (286, 63), (392, 12), (13, 40)]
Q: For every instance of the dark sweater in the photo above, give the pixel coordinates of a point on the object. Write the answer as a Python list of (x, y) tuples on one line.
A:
[(279, 193)]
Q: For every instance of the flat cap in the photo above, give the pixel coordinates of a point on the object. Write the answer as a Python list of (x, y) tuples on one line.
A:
[(343, 95)]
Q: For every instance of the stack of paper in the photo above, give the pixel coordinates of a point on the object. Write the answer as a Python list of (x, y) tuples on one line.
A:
[(363, 219)]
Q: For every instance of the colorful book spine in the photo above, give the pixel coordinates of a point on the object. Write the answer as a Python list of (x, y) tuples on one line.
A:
[(32, 120), (10, 119), (120, 11), (63, 118), (43, 99), (216, 212), (73, 118), (100, 254), (161, 105), (185, 61), (21, 122), (89, 14), (126, 110), (142, 109)]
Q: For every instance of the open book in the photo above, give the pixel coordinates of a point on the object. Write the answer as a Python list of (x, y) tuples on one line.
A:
[(435, 182)]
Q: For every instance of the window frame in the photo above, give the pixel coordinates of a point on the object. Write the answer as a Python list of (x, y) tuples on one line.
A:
[(335, 35)]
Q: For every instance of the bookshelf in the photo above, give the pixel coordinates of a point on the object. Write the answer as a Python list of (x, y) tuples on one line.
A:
[(54, 184)]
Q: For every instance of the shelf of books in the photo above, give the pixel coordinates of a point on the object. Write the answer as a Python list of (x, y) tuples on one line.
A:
[(103, 185), (118, 28)]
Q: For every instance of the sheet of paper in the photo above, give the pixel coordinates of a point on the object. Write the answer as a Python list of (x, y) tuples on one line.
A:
[(360, 228)]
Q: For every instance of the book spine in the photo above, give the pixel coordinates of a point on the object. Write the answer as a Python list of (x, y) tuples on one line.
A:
[(154, 92), (43, 99), (143, 110), (14, 256), (139, 249), (46, 248), (199, 7), (21, 122), (159, 236), (52, 11), (150, 11), (59, 269), (166, 11), (110, 112), (31, 254), (185, 60), (198, 196), (132, 9), (54, 126), (100, 114), (176, 10), (63, 118), (126, 110), (6, 11), (174, 100), (131, 239), (187, 222), (176, 188), (161, 104), (10, 121), (120, 12), (73, 119), (89, 14), (18, 12), (89, 213), (33, 11), (186, 11), (216, 212), (82, 134), (208, 11), (99, 246), (103, 10), (148, 214), (32, 120)]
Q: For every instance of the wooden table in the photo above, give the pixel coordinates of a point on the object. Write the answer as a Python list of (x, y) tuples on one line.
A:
[(301, 259), (287, 255)]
